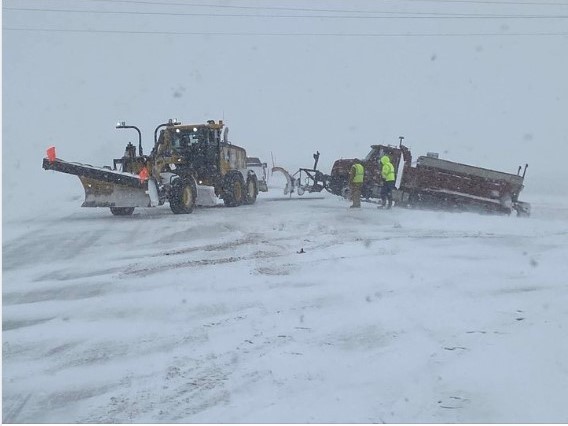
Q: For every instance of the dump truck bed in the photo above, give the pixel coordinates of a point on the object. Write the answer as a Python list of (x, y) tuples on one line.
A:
[(446, 184), (465, 169)]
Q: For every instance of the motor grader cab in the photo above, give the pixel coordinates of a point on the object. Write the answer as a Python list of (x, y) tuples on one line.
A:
[(189, 165)]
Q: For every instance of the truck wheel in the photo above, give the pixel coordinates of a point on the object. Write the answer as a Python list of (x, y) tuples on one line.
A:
[(523, 209), (182, 196), (233, 190), (251, 190), (411, 202), (122, 211)]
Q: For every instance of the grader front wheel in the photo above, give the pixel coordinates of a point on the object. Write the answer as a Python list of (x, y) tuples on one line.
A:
[(182, 197)]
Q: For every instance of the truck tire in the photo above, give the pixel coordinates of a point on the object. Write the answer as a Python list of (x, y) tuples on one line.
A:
[(523, 209), (182, 196), (251, 189), (412, 199), (234, 190), (122, 211)]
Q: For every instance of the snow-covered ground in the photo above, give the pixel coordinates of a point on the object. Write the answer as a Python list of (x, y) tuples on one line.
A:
[(398, 316), (388, 316)]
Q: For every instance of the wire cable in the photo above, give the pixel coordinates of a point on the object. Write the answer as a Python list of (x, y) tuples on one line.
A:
[(405, 15), (250, 34), (303, 9), (500, 3)]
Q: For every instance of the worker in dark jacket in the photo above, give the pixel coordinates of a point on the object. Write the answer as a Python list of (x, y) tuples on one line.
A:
[(387, 173), (356, 176)]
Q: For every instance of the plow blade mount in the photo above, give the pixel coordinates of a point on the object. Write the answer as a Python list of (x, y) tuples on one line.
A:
[(108, 188), (205, 196)]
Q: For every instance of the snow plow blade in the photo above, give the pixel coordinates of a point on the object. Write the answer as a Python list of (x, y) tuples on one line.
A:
[(289, 188), (108, 188)]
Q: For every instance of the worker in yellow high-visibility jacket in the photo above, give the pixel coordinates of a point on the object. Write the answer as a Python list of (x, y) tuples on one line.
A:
[(387, 173), (356, 176)]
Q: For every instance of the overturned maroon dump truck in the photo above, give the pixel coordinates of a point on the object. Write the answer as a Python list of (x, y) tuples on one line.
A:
[(430, 182)]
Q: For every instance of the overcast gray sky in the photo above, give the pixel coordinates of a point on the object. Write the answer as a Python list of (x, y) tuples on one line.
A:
[(480, 82)]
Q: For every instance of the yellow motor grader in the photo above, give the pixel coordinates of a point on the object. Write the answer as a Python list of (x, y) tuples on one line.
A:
[(189, 165)]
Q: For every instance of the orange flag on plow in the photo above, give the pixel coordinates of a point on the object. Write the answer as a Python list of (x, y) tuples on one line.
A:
[(143, 175), (51, 154)]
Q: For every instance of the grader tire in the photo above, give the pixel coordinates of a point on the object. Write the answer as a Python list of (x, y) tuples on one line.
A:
[(251, 190), (234, 190), (122, 211), (182, 196)]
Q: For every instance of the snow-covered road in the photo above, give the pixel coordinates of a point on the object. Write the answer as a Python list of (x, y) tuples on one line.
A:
[(217, 317)]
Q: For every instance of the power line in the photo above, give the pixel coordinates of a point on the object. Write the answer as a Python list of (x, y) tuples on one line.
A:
[(500, 3), (406, 15), (245, 34), (496, 3), (232, 6)]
